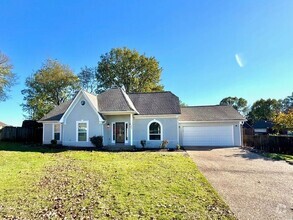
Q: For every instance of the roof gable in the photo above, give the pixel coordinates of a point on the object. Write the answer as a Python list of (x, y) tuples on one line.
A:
[(89, 97), (59, 113), (93, 100), (209, 113)]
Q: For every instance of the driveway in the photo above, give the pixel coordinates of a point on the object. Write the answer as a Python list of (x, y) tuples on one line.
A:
[(254, 187)]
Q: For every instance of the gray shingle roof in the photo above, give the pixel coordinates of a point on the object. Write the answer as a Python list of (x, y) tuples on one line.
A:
[(57, 113), (155, 103), (209, 113), (263, 124), (113, 100)]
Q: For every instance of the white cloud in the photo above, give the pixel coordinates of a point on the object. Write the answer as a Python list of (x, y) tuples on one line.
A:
[(239, 59)]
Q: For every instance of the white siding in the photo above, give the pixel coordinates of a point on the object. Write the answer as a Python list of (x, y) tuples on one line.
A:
[(169, 132), (81, 113), (47, 133), (260, 130)]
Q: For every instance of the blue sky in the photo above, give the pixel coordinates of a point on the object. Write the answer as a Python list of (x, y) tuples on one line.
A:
[(208, 49)]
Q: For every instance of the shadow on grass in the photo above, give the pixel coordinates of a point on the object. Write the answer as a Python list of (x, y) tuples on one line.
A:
[(249, 156), (38, 148), (244, 153), (20, 147), (252, 154)]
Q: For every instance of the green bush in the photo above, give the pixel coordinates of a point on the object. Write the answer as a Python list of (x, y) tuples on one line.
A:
[(143, 143), (97, 141), (54, 142)]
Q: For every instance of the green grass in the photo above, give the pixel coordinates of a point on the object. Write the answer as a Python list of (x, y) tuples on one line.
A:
[(39, 183), (279, 156)]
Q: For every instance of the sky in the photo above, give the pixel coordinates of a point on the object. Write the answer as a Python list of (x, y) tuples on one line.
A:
[(208, 49)]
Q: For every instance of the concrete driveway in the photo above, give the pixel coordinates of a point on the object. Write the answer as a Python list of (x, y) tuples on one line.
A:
[(254, 187)]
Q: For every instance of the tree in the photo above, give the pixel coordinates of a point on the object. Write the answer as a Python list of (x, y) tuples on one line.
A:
[(284, 120), (182, 104), (88, 80), (264, 110), (240, 104), (50, 86), (7, 77), (288, 103), (126, 68)]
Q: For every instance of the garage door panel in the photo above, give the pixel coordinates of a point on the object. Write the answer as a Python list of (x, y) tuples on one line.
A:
[(208, 136)]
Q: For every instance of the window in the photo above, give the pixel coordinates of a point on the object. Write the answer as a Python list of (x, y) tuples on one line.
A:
[(154, 131), (57, 132), (82, 129)]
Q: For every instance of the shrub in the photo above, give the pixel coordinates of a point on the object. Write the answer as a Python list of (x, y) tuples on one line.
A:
[(164, 144), (143, 143), (97, 141), (54, 142)]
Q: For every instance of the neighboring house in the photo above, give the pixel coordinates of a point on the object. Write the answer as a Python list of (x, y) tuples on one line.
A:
[(127, 118), (263, 127), (2, 125), (247, 129)]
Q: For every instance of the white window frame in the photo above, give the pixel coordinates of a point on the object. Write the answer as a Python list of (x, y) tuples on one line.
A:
[(53, 131), (126, 132), (112, 133), (148, 129), (87, 130)]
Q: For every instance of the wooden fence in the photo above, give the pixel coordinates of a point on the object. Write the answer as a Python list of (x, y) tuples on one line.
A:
[(20, 134), (270, 143)]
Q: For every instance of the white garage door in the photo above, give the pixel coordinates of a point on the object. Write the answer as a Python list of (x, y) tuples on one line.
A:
[(208, 136)]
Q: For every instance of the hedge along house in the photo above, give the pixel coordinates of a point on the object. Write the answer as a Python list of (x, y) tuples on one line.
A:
[(128, 118)]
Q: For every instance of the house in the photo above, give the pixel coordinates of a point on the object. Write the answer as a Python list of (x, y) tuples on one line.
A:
[(2, 125), (127, 118), (247, 129), (263, 127)]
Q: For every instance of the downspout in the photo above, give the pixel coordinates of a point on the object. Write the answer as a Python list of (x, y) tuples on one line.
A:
[(178, 130), (131, 129), (103, 125)]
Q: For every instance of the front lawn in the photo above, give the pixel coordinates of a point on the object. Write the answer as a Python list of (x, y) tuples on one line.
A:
[(38, 183)]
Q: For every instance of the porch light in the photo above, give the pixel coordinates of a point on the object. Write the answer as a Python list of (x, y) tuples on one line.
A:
[(108, 125)]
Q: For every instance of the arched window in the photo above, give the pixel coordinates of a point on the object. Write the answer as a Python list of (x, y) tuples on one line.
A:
[(155, 131)]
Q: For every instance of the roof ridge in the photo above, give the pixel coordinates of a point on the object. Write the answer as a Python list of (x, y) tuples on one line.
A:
[(194, 106), (149, 92), (128, 100), (94, 102), (88, 92)]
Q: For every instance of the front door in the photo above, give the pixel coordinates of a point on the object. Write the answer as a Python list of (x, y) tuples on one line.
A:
[(120, 127)]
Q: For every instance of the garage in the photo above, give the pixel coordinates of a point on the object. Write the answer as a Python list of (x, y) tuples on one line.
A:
[(208, 135), (214, 125)]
